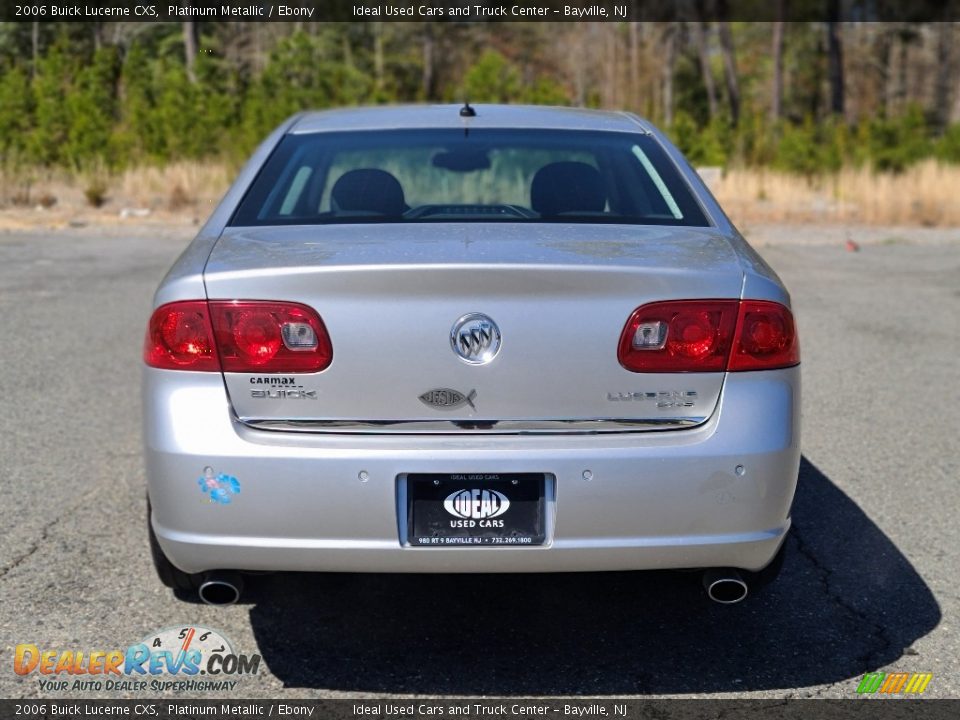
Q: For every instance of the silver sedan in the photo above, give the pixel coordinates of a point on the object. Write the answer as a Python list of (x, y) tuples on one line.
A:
[(469, 339)]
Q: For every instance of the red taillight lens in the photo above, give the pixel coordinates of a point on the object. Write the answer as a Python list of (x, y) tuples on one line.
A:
[(237, 336), (695, 336), (256, 336), (179, 337), (268, 337), (709, 336), (766, 337)]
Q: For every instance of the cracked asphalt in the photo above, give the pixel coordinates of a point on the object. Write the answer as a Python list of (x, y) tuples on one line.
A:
[(870, 576)]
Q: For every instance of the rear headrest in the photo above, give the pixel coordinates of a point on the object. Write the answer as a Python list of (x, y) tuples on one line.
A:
[(368, 190), (562, 187)]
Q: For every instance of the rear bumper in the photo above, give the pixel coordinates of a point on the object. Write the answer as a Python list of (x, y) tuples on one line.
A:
[(654, 500)]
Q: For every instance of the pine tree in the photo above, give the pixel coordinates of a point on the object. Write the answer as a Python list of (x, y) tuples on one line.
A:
[(15, 115), (138, 135), (492, 79), (49, 89), (91, 110), (175, 113)]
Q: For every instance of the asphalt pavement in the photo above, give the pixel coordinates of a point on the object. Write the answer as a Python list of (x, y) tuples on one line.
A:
[(870, 581)]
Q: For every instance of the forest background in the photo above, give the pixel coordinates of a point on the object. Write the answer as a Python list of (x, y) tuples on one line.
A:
[(834, 121)]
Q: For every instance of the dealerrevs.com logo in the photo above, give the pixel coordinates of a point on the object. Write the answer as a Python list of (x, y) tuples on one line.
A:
[(175, 659)]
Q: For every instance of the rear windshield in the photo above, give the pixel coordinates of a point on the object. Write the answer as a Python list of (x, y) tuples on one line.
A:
[(416, 176)]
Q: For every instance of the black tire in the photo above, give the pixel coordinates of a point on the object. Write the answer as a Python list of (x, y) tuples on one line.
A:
[(169, 574)]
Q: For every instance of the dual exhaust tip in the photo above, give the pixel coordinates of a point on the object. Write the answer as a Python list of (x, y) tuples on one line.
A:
[(723, 585), (221, 587)]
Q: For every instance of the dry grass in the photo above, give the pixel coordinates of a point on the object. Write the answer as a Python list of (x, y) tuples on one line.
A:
[(174, 187), (177, 185), (925, 195)]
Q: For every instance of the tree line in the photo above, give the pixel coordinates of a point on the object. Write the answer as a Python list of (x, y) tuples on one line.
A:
[(802, 97)]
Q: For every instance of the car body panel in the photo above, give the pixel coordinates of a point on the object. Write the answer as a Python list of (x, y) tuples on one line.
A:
[(560, 295), (714, 494), (398, 117), (653, 500)]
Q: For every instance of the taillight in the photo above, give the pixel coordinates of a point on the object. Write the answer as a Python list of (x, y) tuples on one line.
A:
[(679, 336), (238, 336), (766, 337), (708, 336), (179, 337), (254, 336)]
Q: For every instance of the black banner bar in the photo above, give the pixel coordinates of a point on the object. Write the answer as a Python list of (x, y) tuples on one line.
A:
[(872, 708), (479, 10)]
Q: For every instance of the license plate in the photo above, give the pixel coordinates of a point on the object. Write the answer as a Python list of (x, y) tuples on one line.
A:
[(467, 510)]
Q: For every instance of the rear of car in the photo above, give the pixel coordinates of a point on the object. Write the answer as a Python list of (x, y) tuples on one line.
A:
[(519, 341)]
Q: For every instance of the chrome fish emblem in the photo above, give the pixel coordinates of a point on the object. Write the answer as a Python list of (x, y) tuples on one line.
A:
[(447, 399)]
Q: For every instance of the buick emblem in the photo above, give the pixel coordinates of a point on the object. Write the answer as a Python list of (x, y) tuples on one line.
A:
[(475, 339)]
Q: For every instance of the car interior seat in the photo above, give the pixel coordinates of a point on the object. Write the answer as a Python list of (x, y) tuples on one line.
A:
[(368, 190), (567, 187)]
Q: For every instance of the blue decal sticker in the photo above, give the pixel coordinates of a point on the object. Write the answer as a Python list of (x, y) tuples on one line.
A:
[(221, 487)]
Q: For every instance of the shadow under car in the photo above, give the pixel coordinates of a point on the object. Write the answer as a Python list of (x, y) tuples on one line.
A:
[(846, 603)]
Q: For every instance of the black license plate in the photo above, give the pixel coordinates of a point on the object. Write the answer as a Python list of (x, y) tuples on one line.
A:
[(504, 509)]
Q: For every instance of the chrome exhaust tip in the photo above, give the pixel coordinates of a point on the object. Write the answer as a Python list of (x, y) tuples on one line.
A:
[(724, 586), (220, 588)]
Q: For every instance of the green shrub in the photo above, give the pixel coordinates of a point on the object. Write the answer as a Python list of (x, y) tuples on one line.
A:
[(492, 79), (897, 143), (15, 113), (51, 125), (95, 192), (947, 148), (91, 110), (709, 146)]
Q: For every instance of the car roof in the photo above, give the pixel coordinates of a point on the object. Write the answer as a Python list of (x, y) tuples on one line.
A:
[(399, 117)]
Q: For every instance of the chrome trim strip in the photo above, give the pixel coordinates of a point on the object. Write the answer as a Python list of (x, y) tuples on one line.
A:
[(480, 427)]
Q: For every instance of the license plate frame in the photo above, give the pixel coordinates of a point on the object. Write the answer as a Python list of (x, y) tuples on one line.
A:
[(467, 509)]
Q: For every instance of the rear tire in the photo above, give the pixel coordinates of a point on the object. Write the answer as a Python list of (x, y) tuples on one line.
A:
[(169, 574)]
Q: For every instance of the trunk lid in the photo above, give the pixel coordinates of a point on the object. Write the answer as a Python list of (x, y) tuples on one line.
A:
[(390, 296)]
